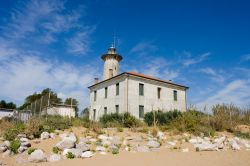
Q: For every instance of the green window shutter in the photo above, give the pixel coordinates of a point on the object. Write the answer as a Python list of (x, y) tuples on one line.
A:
[(141, 89), (106, 92), (175, 95), (117, 89), (141, 111)]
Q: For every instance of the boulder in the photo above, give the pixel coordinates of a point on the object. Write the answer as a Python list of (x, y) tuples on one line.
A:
[(65, 144), (37, 156), (3, 149), (76, 152), (153, 144), (7, 153), (103, 137), (26, 144), (100, 148), (54, 157), (87, 154), (116, 141), (83, 140), (160, 135), (7, 143), (206, 147), (234, 145), (70, 137), (21, 136), (45, 135), (52, 135), (21, 149), (24, 139), (106, 143), (84, 147), (171, 144), (142, 149), (185, 150)]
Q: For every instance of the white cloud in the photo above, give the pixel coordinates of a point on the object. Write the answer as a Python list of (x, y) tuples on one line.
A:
[(143, 48), (215, 75), (191, 61), (27, 74), (236, 92), (245, 57), (79, 44)]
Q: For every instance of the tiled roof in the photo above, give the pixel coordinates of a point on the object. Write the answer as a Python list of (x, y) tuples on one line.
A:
[(153, 78), (143, 76)]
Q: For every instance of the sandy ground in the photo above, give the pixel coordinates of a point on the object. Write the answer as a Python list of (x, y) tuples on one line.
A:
[(164, 156)]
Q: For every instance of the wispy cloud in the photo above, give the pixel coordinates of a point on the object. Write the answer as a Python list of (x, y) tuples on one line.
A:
[(143, 48), (194, 60), (214, 74), (245, 57), (236, 92)]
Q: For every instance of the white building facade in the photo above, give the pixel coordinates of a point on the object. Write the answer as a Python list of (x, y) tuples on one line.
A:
[(134, 93)]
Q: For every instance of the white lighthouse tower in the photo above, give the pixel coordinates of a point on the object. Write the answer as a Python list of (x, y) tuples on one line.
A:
[(111, 63)]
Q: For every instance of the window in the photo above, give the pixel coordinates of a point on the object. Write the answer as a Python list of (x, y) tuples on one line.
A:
[(141, 111), (106, 92), (95, 93), (117, 89), (141, 89), (159, 93), (105, 110), (110, 73), (94, 114), (175, 95), (117, 109)]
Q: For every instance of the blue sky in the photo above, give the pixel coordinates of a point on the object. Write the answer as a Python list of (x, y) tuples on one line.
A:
[(57, 44)]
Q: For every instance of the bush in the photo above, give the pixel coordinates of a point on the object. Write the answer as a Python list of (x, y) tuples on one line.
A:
[(70, 155), (119, 120), (51, 123), (193, 122), (34, 127), (14, 145), (115, 151), (225, 117), (55, 150), (5, 125), (31, 150), (161, 118), (11, 133)]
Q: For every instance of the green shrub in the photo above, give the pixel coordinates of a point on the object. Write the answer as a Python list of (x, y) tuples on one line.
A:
[(242, 135), (31, 150), (55, 150), (119, 120), (70, 155), (11, 133), (161, 118), (14, 145), (51, 123), (34, 127), (115, 151), (194, 122)]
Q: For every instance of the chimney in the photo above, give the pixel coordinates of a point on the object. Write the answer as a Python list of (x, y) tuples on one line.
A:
[(96, 80)]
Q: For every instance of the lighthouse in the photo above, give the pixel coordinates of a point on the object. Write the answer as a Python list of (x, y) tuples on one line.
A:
[(111, 63)]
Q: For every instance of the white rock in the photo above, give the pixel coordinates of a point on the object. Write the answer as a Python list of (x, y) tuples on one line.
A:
[(206, 147), (3, 149), (21, 149), (21, 136), (160, 135), (76, 152), (92, 140), (103, 137), (84, 147), (24, 139), (7, 153), (45, 135), (52, 135), (153, 144), (7, 143), (65, 144), (171, 143), (54, 157), (37, 156), (27, 144), (103, 153), (83, 140), (235, 145), (142, 149), (185, 150), (100, 148), (87, 154), (106, 143), (70, 137)]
